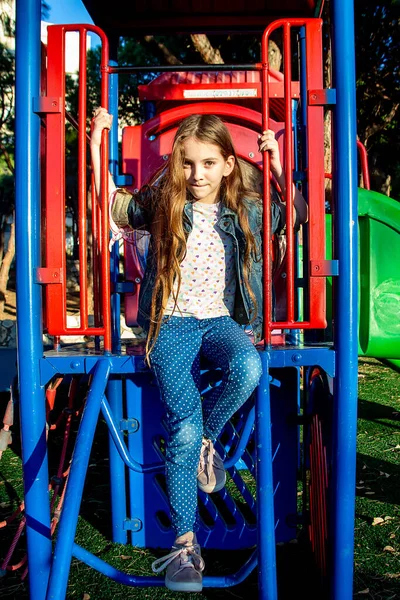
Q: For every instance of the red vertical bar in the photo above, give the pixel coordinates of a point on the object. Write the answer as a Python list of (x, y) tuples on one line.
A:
[(267, 267), (55, 180), (105, 228), (54, 218), (288, 172), (82, 191), (364, 164), (43, 233), (316, 175)]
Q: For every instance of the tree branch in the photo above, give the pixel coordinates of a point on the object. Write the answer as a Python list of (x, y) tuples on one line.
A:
[(375, 127), (210, 55), (170, 58), (7, 158)]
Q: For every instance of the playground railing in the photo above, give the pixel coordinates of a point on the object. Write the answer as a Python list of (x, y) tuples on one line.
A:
[(53, 274), (315, 267)]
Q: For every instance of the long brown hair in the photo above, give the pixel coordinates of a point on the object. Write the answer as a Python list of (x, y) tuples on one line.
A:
[(168, 234)]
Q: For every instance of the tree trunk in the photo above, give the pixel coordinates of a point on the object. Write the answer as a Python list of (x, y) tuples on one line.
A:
[(6, 264), (274, 56), (210, 55), (162, 49)]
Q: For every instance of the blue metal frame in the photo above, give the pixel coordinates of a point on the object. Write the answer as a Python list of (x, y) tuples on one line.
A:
[(346, 317), (114, 388), (35, 371), (29, 310)]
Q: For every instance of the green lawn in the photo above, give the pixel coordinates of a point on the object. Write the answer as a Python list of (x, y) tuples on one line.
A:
[(377, 525)]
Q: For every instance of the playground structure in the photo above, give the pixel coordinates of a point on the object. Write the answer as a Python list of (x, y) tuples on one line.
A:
[(249, 98)]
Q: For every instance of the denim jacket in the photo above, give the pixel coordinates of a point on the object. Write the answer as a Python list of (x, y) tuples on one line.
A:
[(139, 215)]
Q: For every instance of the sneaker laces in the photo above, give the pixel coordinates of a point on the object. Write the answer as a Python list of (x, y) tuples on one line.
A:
[(189, 557)]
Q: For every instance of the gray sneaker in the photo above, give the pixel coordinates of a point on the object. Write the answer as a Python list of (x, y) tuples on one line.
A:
[(211, 475), (184, 565)]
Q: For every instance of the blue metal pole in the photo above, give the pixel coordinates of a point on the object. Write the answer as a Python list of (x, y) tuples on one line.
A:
[(117, 469), (29, 323), (267, 583), (346, 300), (151, 581), (69, 517), (114, 388)]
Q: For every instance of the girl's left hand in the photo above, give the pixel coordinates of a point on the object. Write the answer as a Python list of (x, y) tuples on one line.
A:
[(268, 143)]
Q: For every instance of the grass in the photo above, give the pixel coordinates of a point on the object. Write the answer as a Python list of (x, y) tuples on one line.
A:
[(377, 543), (377, 523)]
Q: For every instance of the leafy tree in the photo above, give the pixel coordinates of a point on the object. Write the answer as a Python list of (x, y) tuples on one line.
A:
[(7, 201), (7, 142), (7, 78), (378, 89)]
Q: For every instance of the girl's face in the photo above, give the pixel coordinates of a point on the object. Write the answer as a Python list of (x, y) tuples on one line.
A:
[(204, 168)]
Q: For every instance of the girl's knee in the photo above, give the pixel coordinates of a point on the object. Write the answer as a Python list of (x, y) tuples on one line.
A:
[(249, 368), (183, 446), (188, 433)]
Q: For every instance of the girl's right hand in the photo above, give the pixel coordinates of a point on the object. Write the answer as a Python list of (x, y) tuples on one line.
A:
[(268, 143), (101, 120)]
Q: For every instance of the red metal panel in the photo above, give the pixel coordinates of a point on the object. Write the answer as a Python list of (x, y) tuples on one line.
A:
[(53, 105), (55, 182), (241, 87), (316, 172), (184, 85)]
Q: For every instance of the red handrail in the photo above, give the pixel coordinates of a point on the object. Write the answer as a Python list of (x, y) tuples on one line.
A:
[(315, 173), (364, 164)]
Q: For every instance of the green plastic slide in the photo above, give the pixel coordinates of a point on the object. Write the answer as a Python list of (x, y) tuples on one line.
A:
[(379, 275)]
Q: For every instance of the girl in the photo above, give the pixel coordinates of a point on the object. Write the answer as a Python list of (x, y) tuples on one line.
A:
[(202, 279)]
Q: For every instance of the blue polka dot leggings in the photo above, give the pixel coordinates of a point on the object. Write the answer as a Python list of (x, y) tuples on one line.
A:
[(175, 360)]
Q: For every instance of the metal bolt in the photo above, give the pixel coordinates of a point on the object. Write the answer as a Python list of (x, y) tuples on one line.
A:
[(251, 154), (283, 275), (165, 156)]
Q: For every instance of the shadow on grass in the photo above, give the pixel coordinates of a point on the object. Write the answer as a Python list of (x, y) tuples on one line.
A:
[(376, 412), (378, 480)]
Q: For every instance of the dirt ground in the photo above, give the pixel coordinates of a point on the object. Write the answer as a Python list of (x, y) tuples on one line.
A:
[(9, 310)]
